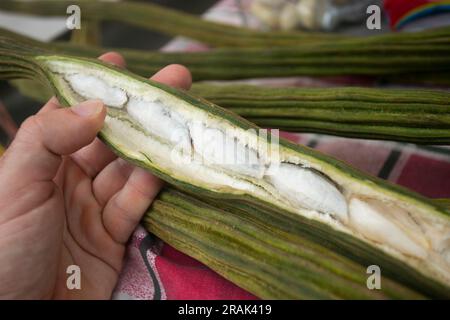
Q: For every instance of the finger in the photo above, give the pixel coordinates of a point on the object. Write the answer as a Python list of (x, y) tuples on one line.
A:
[(126, 208), (110, 180), (93, 158), (96, 156), (113, 58), (35, 154), (52, 104), (174, 75)]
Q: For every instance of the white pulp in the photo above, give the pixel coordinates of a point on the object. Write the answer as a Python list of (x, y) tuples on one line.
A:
[(367, 220), (306, 188), (220, 149), (90, 87), (155, 118)]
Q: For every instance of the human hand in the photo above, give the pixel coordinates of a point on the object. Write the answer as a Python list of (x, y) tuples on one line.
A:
[(66, 199)]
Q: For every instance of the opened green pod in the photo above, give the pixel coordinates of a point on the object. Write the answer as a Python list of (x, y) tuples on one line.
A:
[(202, 148)]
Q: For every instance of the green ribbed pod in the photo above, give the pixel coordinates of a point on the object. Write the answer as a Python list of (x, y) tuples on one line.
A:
[(363, 56), (245, 246), (408, 115)]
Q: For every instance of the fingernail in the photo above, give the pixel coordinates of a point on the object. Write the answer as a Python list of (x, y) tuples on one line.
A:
[(88, 108)]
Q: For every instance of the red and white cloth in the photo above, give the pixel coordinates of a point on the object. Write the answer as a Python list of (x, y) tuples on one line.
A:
[(154, 270)]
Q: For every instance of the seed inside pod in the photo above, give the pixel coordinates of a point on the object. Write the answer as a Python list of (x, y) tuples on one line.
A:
[(367, 218), (305, 188), (91, 87), (154, 117), (220, 148)]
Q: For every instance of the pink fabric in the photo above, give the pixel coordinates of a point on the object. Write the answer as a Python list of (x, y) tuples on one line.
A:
[(175, 267), (426, 175), (154, 270)]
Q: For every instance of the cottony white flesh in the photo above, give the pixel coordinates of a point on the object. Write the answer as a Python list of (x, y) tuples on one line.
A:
[(194, 146)]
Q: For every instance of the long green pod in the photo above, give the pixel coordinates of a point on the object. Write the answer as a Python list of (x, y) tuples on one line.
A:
[(172, 22), (416, 116), (158, 18), (444, 202), (246, 247), (409, 115), (202, 148), (377, 59), (359, 131), (373, 58)]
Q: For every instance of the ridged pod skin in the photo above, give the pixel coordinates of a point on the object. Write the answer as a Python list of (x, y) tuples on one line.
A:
[(418, 57), (244, 245), (419, 116), (408, 115), (317, 194)]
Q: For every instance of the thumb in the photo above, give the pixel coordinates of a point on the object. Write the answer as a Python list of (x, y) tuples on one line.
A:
[(35, 154)]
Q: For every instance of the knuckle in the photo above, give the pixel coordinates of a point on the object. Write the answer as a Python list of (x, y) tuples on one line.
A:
[(138, 190), (124, 168), (29, 132), (31, 127), (124, 212)]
